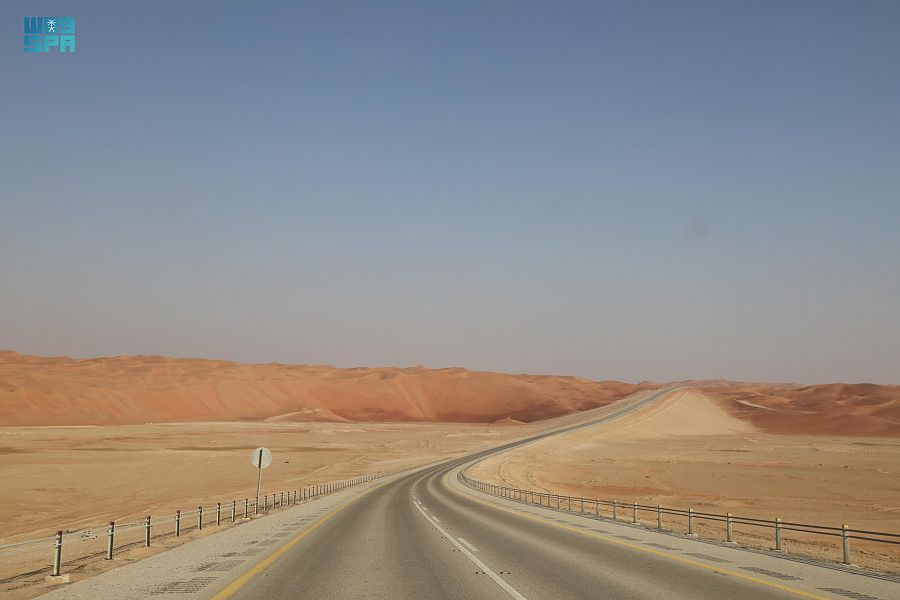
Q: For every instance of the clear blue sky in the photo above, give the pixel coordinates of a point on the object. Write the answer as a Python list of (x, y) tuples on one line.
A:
[(631, 190)]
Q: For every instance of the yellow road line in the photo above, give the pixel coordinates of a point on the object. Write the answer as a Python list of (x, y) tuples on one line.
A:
[(681, 559), (232, 588)]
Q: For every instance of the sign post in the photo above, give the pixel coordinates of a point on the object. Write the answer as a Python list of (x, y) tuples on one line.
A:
[(262, 458)]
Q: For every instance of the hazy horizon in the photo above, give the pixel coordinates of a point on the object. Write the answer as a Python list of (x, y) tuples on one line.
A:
[(425, 366), (638, 191)]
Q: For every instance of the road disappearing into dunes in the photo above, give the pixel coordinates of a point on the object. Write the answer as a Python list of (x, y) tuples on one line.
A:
[(424, 535)]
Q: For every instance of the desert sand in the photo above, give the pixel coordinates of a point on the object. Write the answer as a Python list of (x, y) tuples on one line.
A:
[(81, 477), (90, 440), (861, 409), (692, 451), (154, 389), (72, 477)]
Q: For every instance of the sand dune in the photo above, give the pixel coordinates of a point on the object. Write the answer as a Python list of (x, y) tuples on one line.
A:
[(828, 409), (689, 451), (141, 389)]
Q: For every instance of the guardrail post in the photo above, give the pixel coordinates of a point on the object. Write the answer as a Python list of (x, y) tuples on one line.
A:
[(147, 533), (634, 512), (615, 510), (233, 509), (199, 518), (582, 504), (690, 521), (57, 553), (778, 533), (570, 502), (110, 539), (177, 523), (658, 516), (845, 538), (597, 506), (267, 502), (729, 528), (282, 500)]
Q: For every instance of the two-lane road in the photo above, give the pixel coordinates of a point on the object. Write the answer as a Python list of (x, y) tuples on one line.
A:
[(422, 536), (417, 537)]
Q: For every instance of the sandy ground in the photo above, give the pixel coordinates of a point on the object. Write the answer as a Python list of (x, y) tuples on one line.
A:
[(860, 409), (688, 451), (70, 477), (73, 478)]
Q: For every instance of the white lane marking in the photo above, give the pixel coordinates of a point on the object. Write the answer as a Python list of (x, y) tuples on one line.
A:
[(509, 589), (470, 546)]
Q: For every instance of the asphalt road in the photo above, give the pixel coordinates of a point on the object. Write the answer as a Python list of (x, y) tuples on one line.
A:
[(425, 535), (422, 536)]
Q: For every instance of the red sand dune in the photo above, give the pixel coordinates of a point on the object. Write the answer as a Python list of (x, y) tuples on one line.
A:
[(140, 389), (827, 409)]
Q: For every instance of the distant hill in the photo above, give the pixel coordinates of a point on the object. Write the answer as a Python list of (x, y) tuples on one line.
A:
[(824, 409), (139, 389)]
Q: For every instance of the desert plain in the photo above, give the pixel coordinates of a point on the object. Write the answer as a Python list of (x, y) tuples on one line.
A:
[(696, 449), (93, 440)]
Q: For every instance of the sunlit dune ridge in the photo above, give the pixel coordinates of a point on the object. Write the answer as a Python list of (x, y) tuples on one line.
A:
[(140, 389), (826, 409)]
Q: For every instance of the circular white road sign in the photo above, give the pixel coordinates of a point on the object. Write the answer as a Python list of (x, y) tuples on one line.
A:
[(262, 458)]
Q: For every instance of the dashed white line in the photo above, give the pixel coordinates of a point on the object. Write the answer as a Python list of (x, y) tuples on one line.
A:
[(499, 581), (467, 544)]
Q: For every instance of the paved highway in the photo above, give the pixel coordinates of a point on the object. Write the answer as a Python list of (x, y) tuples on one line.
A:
[(424, 536)]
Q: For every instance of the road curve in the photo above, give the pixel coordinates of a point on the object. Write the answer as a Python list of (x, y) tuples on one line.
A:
[(422, 536)]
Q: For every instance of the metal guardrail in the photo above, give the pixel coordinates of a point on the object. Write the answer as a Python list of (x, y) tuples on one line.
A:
[(614, 508), (179, 522)]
